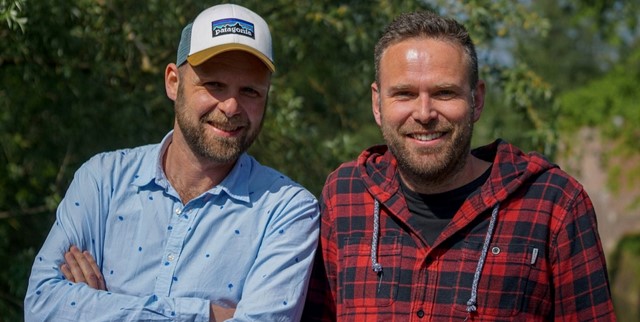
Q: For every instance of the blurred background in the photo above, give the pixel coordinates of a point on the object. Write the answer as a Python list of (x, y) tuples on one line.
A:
[(78, 77)]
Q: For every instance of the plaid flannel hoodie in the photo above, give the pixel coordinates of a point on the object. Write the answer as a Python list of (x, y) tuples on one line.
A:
[(525, 247)]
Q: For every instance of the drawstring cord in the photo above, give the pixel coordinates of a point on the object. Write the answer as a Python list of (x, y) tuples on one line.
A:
[(374, 241), (471, 303), (377, 268)]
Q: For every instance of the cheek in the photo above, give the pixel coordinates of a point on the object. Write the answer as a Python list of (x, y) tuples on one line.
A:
[(397, 113), (466, 116), (201, 103), (456, 113), (255, 112)]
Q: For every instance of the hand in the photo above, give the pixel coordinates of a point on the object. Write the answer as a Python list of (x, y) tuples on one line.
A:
[(80, 267), (219, 313)]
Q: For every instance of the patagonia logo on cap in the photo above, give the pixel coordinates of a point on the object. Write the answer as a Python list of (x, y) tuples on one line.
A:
[(232, 26)]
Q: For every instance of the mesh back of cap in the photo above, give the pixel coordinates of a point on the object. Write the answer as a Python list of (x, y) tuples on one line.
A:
[(185, 45)]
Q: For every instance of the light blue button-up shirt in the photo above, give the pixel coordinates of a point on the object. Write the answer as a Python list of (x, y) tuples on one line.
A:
[(248, 242)]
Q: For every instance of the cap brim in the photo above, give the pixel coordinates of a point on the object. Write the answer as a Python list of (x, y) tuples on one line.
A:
[(202, 56)]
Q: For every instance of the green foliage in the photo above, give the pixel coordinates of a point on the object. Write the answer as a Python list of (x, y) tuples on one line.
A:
[(522, 112), (10, 13), (84, 76), (624, 274), (588, 59), (610, 104)]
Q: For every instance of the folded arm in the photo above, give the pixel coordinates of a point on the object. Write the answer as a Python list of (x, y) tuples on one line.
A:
[(80, 267), (80, 221)]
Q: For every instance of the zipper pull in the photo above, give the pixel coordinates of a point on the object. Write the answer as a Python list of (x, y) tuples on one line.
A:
[(534, 256)]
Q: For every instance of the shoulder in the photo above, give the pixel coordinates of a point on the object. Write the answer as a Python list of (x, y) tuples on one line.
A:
[(263, 178), (346, 170), (554, 184), (121, 155), (123, 160)]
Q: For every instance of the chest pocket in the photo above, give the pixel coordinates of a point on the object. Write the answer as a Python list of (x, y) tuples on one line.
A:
[(361, 286), (504, 279)]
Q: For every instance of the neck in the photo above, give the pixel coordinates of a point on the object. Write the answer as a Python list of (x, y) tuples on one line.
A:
[(189, 174), (471, 170)]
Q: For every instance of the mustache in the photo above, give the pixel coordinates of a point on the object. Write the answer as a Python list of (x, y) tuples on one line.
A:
[(432, 126), (220, 120)]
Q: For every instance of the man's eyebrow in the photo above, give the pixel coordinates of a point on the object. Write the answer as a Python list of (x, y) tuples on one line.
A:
[(441, 86), (400, 87), (447, 86)]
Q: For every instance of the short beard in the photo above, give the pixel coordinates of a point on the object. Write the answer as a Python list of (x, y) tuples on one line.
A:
[(438, 172), (216, 149), (447, 163)]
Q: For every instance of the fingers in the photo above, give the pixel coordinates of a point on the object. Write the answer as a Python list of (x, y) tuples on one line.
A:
[(72, 266), (95, 278), (66, 271), (81, 267)]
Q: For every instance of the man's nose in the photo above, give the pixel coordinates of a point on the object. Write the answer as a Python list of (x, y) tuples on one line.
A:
[(229, 106), (424, 112)]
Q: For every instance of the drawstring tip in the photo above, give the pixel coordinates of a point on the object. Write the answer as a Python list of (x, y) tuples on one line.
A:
[(471, 306), (377, 267)]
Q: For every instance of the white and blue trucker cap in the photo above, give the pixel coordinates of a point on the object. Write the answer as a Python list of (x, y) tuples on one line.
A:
[(223, 28)]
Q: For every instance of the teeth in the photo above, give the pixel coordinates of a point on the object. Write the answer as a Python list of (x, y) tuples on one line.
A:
[(426, 137)]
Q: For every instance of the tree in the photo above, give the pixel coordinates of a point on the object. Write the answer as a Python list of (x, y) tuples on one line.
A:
[(610, 105), (84, 76), (590, 58)]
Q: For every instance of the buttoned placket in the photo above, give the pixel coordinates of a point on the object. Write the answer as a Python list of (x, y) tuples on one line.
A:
[(177, 232)]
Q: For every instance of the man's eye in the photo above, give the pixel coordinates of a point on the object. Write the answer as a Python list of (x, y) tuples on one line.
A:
[(250, 92), (404, 94), (445, 94), (214, 85)]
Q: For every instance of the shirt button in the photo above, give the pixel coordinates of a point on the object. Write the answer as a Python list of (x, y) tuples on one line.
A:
[(420, 313), (178, 211), (171, 257)]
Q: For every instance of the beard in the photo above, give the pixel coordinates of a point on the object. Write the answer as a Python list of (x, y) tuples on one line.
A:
[(214, 148), (430, 166)]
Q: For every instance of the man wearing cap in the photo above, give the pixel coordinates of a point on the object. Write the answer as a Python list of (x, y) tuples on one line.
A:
[(192, 228)]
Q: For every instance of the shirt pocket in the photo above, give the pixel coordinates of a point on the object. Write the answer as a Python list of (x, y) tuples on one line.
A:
[(361, 286), (503, 280)]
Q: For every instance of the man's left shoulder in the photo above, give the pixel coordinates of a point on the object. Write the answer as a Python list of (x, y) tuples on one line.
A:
[(270, 178)]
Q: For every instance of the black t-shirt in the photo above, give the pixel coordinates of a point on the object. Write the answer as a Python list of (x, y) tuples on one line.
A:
[(433, 212)]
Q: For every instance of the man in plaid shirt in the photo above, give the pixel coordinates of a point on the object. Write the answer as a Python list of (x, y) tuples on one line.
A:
[(426, 229)]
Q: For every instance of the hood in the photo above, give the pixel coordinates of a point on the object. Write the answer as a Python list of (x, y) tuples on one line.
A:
[(511, 168)]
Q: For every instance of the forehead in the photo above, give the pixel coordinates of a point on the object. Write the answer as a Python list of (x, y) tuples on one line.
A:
[(424, 48), (424, 56)]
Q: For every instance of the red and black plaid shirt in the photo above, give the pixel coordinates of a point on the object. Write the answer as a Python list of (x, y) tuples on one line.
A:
[(544, 261)]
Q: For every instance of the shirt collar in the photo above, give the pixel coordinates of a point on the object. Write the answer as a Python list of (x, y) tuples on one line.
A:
[(235, 184)]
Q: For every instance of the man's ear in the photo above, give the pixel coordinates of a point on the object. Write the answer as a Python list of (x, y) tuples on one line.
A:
[(171, 81), (375, 102), (478, 99)]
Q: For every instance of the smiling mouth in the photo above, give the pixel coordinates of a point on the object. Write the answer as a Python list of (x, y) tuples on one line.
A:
[(427, 137), (226, 128)]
